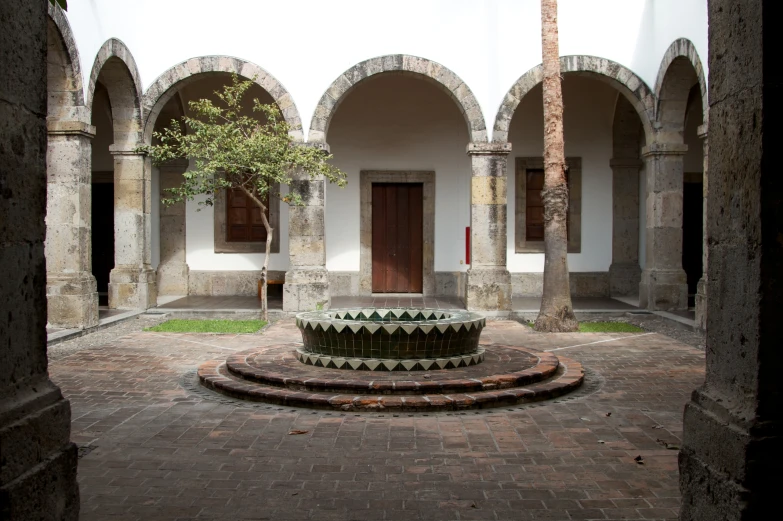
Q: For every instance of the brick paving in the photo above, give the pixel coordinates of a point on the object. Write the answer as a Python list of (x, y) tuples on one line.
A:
[(156, 449)]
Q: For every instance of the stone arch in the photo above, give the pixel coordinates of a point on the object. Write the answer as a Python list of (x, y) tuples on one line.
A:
[(627, 140), (623, 79), (404, 64), (116, 69), (163, 88), (680, 70), (65, 93)]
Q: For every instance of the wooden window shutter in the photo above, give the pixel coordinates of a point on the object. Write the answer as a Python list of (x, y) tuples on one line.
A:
[(243, 222)]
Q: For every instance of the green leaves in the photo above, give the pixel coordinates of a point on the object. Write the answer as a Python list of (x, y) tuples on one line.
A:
[(62, 3), (229, 149)]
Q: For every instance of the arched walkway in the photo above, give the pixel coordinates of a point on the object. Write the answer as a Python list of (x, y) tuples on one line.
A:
[(65, 94), (620, 77), (116, 69), (680, 80), (398, 63), (72, 301), (163, 88), (680, 66), (132, 281)]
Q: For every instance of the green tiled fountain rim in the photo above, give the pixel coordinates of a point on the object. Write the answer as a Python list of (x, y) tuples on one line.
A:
[(389, 320)]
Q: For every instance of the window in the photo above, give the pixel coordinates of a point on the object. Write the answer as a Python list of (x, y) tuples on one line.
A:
[(529, 206), (238, 226), (535, 205), (244, 222)]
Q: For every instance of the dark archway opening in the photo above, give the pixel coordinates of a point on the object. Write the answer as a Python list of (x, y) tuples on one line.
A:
[(692, 194), (102, 193)]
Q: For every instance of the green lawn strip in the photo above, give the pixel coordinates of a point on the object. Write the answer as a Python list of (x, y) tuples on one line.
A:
[(179, 325), (608, 327), (604, 327)]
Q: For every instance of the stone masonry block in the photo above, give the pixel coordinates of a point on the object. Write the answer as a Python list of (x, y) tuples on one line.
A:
[(488, 190)]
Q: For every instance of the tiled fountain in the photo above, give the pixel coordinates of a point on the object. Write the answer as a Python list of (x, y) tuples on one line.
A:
[(391, 339), (392, 359)]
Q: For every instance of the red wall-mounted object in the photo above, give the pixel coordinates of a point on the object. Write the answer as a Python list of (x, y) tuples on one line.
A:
[(467, 245)]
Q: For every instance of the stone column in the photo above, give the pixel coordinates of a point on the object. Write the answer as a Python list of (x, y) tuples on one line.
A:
[(306, 281), (732, 447), (37, 458), (701, 289), (664, 284), (71, 291), (624, 272), (132, 281), (488, 279), (172, 273)]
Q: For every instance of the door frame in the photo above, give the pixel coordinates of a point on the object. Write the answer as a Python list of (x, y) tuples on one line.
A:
[(366, 180)]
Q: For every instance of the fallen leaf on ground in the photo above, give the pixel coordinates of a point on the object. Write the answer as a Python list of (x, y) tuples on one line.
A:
[(608, 414), (297, 432), (639, 460)]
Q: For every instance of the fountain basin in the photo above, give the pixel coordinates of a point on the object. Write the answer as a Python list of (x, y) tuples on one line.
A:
[(391, 334)]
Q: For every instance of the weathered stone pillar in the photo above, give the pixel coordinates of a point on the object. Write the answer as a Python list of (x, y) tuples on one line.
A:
[(664, 284), (307, 281), (71, 291), (132, 281), (733, 426), (37, 458), (488, 279), (701, 288), (172, 273), (624, 272)]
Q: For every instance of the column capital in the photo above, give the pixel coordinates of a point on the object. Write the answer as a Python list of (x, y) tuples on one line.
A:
[(625, 162), (488, 149), (664, 149), (320, 146), (70, 128), (127, 150)]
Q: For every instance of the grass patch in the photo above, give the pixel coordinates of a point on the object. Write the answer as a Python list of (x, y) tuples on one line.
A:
[(608, 327), (179, 325)]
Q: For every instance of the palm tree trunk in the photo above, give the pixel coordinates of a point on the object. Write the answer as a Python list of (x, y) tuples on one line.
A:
[(265, 268), (556, 312)]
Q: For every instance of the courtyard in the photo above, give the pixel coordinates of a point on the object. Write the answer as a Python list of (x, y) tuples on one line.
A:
[(154, 444)]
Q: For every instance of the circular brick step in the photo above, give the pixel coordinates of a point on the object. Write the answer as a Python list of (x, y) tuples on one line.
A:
[(503, 367), (565, 377)]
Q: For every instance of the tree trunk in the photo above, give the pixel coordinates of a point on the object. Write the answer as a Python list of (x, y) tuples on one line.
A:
[(556, 312), (265, 268)]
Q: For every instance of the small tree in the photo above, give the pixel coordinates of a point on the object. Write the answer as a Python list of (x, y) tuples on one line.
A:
[(557, 313), (229, 150)]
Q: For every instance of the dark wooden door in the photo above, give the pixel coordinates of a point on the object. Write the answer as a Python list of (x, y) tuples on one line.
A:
[(397, 237)]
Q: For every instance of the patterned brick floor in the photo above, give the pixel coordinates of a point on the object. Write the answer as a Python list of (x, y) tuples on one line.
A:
[(155, 449)]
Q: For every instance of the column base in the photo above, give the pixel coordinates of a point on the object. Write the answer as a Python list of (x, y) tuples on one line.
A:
[(306, 290), (726, 462), (488, 291), (624, 278), (132, 288), (701, 304), (665, 290), (39, 461), (71, 300), (173, 278)]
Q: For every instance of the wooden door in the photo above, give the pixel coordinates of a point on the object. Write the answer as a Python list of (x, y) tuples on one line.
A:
[(397, 210)]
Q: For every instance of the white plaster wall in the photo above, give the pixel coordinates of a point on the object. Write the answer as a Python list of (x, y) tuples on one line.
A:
[(588, 117), (664, 21), (200, 243), (399, 123), (307, 45)]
